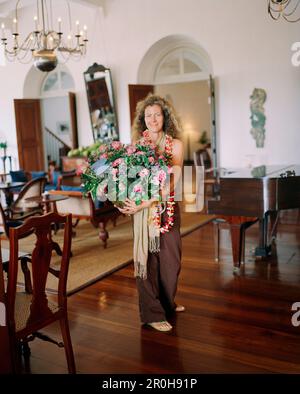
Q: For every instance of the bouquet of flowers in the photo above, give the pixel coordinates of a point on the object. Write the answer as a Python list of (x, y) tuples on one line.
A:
[(117, 171)]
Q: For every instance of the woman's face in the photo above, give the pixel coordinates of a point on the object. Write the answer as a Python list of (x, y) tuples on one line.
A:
[(154, 118)]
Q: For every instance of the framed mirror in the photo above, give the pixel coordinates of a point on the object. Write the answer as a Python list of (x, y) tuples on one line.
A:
[(101, 103)]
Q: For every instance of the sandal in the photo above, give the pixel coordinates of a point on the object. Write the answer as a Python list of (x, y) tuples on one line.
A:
[(180, 308), (161, 326)]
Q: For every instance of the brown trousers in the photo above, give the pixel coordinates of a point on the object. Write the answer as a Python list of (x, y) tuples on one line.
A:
[(157, 292)]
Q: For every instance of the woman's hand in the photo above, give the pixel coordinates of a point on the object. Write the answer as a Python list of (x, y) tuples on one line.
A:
[(130, 207)]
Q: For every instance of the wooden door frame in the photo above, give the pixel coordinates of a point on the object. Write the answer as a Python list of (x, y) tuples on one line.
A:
[(132, 99), (39, 135)]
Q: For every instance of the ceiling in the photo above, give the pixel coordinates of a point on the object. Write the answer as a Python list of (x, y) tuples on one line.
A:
[(8, 6)]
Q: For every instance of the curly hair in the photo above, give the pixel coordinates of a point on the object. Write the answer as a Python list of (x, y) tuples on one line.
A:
[(171, 126)]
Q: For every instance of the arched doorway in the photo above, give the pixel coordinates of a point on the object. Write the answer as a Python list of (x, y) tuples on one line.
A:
[(51, 109), (181, 70)]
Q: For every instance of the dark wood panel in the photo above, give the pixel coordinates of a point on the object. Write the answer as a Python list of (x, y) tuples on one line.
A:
[(29, 134), (288, 192), (73, 116), (249, 197), (136, 94)]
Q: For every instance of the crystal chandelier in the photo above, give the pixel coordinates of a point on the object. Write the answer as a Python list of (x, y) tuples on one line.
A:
[(43, 43), (284, 9)]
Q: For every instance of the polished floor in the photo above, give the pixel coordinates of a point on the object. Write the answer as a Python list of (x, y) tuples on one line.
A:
[(232, 324)]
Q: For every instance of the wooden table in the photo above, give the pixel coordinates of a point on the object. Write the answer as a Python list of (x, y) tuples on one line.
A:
[(47, 200)]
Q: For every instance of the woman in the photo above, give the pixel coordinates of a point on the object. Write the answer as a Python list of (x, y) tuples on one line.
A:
[(157, 280)]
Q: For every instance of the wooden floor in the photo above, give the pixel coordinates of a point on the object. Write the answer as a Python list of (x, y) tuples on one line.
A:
[(232, 323)]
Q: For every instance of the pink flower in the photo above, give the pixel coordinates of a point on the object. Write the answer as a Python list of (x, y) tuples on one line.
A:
[(151, 160), (117, 162), (116, 145), (130, 149), (155, 180), (146, 134), (162, 176), (103, 156), (102, 148), (80, 170), (140, 152), (114, 172), (143, 172), (138, 189)]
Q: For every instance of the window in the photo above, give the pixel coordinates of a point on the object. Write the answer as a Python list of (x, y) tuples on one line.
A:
[(180, 64), (57, 82)]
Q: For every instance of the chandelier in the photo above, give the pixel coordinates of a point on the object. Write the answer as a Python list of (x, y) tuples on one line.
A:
[(43, 43), (284, 9)]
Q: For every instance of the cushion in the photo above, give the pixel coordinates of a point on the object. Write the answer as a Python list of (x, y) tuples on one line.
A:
[(71, 188), (38, 174), (18, 176), (49, 186)]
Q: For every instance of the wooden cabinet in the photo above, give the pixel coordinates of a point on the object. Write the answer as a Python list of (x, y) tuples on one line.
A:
[(73, 163)]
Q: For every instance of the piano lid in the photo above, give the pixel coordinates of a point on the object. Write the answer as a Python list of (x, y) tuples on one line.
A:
[(263, 171)]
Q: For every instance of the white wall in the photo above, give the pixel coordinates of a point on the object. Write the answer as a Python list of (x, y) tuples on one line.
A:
[(247, 50), (191, 102)]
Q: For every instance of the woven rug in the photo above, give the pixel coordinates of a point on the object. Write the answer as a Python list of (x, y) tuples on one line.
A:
[(90, 261)]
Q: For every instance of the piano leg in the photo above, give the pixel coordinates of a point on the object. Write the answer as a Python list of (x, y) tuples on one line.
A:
[(264, 249), (238, 225), (237, 240)]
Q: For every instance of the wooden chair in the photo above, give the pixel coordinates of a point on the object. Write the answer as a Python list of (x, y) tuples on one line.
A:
[(6, 356), (202, 158), (84, 208), (5, 225), (20, 208), (29, 312)]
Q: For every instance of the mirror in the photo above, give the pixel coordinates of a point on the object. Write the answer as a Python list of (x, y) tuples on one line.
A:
[(101, 103)]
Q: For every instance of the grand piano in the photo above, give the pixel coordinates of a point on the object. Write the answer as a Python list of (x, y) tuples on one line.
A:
[(248, 195)]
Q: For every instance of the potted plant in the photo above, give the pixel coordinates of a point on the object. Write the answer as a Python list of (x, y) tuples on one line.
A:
[(204, 140), (3, 145)]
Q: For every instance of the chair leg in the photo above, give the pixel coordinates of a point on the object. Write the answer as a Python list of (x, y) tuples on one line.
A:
[(217, 240), (26, 356), (103, 234), (64, 325)]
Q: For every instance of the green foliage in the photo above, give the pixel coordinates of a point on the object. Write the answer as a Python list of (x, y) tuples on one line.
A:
[(204, 138), (84, 151)]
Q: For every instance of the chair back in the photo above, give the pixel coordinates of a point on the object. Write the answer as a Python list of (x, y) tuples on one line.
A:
[(3, 223), (202, 158), (5, 359), (37, 310), (29, 312), (33, 188)]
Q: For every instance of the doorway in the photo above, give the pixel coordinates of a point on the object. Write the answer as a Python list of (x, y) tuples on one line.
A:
[(181, 71), (191, 101), (54, 114)]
